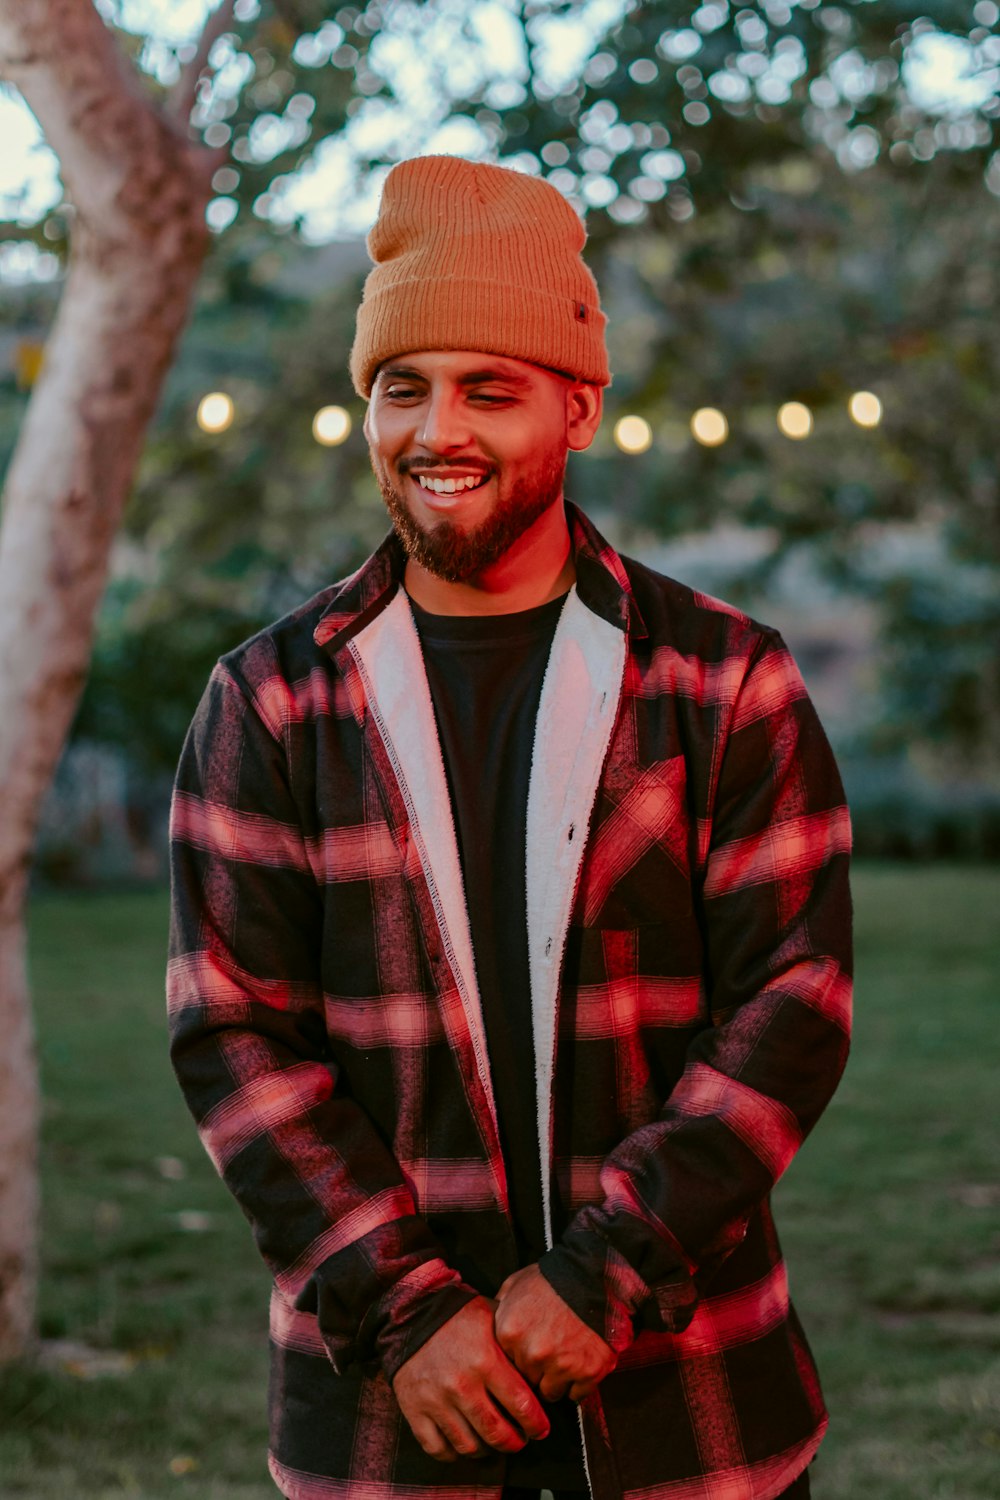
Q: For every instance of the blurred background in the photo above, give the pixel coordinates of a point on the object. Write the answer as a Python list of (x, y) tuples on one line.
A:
[(794, 217)]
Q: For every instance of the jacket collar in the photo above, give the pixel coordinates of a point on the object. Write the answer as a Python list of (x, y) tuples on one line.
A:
[(601, 583)]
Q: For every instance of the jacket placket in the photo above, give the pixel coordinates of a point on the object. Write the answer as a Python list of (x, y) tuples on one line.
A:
[(438, 903)]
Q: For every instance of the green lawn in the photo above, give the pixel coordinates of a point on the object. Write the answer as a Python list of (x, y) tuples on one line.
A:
[(891, 1219)]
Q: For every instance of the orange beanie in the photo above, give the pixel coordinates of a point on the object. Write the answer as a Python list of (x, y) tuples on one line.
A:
[(470, 256)]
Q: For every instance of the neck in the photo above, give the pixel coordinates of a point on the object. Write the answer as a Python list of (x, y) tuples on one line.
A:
[(536, 568)]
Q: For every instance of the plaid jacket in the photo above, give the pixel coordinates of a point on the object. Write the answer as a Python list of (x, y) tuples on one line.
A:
[(689, 944)]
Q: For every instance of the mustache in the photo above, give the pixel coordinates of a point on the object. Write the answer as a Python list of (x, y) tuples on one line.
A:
[(428, 465)]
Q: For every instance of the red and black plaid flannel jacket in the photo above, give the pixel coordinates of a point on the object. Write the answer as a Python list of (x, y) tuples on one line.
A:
[(689, 942)]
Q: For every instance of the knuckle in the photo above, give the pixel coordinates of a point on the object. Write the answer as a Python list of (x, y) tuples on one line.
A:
[(487, 1421)]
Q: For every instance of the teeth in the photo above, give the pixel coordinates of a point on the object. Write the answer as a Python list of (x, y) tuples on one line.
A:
[(450, 486)]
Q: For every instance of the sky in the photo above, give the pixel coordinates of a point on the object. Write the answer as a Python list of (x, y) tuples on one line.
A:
[(937, 72)]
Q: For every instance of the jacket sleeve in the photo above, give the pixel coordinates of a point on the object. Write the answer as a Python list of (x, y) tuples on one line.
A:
[(776, 920), (331, 1212)]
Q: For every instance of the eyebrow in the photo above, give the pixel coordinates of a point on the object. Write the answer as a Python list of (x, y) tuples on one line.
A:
[(485, 376)]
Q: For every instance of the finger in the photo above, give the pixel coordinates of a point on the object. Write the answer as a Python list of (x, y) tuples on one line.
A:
[(580, 1389), (514, 1337), (432, 1440), (531, 1369), (586, 1384), (554, 1387), (494, 1428), (512, 1345), (502, 1318), (510, 1391), (458, 1433)]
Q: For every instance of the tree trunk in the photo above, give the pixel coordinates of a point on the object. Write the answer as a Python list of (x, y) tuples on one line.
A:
[(18, 1136), (138, 189)]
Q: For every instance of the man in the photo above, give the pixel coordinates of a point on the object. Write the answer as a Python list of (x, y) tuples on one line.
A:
[(510, 952)]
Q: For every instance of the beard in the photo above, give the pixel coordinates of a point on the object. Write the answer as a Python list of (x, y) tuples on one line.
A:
[(456, 555)]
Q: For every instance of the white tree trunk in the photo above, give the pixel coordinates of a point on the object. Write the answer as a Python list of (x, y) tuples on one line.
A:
[(138, 189)]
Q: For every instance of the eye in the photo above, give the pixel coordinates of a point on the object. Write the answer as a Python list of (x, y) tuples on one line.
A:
[(400, 391)]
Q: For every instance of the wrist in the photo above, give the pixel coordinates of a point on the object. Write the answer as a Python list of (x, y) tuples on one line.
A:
[(398, 1341), (597, 1285)]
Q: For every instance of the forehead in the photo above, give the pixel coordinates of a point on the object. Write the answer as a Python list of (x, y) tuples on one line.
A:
[(464, 365)]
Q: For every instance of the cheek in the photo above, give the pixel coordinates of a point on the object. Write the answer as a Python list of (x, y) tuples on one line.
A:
[(386, 431), (521, 448), (536, 455), (542, 434)]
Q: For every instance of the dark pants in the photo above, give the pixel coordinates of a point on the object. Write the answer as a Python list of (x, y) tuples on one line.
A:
[(797, 1491)]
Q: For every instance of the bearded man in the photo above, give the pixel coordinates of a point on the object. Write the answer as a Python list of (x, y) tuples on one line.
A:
[(510, 951)]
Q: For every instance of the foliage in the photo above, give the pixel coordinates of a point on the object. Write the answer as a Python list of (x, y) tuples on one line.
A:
[(228, 532), (943, 680), (773, 216), (897, 814), (887, 1217)]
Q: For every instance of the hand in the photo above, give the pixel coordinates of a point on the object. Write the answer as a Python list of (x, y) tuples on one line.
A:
[(548, 1343), (451, 1390)]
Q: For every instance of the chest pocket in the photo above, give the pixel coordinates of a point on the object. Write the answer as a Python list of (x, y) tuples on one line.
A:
[(636, 869)]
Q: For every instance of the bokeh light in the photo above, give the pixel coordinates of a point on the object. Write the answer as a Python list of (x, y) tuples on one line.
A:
[(795, 420), (709, 427), (331, 425), (215, 412), (865, 408), (633, 434)]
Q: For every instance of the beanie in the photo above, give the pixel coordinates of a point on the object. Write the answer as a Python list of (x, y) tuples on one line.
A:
[(472, 256)]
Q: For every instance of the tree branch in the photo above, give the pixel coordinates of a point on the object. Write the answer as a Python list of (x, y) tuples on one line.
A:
[(93, 109), (183, 97)]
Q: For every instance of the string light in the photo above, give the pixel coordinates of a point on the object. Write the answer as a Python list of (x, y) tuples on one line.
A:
[(709, 427), (865, 409), (795, 420), (633, 434), (215, 412), (331, 425)]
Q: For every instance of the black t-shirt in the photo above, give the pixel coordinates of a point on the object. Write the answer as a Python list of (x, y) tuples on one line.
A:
[(485, 674)]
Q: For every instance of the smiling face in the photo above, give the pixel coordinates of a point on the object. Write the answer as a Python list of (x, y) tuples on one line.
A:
[(469, 451)]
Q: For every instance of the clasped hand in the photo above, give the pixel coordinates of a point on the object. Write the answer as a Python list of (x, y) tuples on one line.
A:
[(469, 1386)]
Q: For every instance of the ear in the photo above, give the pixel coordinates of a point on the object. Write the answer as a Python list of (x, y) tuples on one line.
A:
[(365, 427), (584, 407)]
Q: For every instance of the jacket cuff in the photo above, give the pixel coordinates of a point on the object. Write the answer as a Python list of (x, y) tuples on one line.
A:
[(415, 1316), (609, 1295), (380, 1297)]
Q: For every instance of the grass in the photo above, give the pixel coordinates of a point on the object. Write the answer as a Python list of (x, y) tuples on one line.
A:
[(144, 1252), (890, 1216)]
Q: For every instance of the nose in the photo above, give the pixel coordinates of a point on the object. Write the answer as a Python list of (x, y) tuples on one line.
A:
[(445, 425)]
